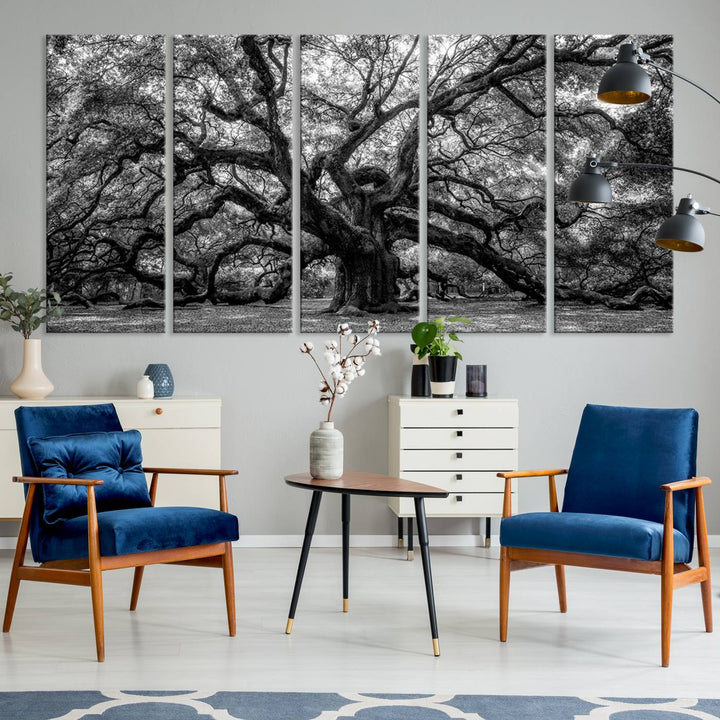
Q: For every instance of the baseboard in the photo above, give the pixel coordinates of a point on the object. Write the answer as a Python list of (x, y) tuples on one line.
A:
[(335, 541), (332, 541)]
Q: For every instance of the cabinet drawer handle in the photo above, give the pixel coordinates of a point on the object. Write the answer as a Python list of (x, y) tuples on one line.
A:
[(458, 476), (458, 433), (158, 411), (458, 498), (459, 411), (458, 456)]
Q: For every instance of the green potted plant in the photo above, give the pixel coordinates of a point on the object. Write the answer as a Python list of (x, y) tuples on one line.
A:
[(433, 339), (26, 311)]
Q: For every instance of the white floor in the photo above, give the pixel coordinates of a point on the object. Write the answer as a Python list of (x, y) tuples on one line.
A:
[(607, 644)]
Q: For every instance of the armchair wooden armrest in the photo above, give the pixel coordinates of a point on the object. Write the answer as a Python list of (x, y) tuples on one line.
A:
[(531, 473), (57, 481), (695, 482), (509, 476), (188, 471), (219, 474)]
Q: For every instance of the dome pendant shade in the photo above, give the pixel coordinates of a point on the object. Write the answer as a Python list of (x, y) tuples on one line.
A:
[(682, 232), (590, 187), (625, 83)]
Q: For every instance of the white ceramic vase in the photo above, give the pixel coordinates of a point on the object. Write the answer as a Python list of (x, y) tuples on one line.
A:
[(32, 383), (326, 452), (145, 388)]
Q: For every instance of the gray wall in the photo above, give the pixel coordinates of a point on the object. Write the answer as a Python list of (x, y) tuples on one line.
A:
[(268, 389)]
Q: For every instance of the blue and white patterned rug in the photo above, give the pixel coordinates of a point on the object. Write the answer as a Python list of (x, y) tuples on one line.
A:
[(188, 705)]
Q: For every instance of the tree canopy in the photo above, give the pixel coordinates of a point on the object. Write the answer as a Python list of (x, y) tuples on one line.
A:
[(233, 180), (605, 255), (105, 176)]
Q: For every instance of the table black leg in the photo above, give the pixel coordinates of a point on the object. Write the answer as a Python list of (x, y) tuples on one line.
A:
[(425, 553), (309, 530), (346, 548), (400, 532), (487, 532), (410, 552)]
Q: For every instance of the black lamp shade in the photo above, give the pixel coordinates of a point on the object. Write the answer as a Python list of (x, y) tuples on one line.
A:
[(683, 233), (590, 187), (625, 83)]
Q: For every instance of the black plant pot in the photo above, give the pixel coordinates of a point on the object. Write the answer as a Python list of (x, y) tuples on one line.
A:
[(420, 379), (442, 375)]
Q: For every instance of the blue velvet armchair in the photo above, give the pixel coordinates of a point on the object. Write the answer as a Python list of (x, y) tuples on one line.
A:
[(88, 509), (631, 503)]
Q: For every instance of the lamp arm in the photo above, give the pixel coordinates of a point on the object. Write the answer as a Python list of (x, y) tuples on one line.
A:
[(682, 77), (655, 166)]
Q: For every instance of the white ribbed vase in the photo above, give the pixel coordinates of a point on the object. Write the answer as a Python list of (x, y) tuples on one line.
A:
[(32, 383), (326, 452)]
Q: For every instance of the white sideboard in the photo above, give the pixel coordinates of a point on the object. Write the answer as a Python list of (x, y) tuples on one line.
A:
[(176, 432), (458, 444)]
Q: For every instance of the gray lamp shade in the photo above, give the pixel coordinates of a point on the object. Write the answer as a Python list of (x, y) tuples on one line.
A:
[(625, 83), (682, 232), (590, 187)]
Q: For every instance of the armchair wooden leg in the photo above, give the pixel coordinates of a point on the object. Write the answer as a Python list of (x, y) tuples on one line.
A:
[(96, 588), (504, 591), (229, 578), (666, 599), (704, 559), (18, 560), (560, 580), (667, 580), (137, 582)]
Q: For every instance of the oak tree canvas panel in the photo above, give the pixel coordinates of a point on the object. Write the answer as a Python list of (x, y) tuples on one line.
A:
[(359, 180), (609, 274), (105, 181), (233, 183), (486, 180)]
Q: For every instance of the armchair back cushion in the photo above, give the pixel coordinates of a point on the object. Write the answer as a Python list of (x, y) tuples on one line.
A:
[(114, 457), (622, 455)]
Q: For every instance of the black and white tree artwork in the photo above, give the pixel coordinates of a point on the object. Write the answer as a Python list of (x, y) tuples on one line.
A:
[(359, 180), (105, 181), (233, 183), (609, 274), (486, 180)]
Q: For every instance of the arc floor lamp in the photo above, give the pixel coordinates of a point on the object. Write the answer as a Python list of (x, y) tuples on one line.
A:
[(626, 83)]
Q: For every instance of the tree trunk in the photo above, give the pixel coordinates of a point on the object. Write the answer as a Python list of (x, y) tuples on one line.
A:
[(365, 282)]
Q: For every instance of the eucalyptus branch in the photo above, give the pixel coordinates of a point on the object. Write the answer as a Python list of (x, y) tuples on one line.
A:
[(26, 311)]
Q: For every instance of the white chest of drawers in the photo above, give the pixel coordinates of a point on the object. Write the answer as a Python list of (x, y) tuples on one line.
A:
[(176, 432), (458, 444)]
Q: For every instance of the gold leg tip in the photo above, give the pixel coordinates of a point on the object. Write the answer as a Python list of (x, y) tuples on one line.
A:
[(346, 605), (436, 647), (401, 542), (288, 627), (410, 555)]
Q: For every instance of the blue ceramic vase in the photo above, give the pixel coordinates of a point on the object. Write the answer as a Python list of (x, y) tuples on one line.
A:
[(162, 379)]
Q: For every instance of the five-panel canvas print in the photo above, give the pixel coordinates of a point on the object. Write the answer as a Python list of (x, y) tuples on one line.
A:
[(395, 143)]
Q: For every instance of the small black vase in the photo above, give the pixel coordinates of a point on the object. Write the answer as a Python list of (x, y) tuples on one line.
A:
[(442, 375), (420, 378)]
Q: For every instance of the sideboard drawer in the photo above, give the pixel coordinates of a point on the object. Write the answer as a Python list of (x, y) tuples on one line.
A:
[(455, 505), (459, 413), (459, 437), (458, 460), (168, 413), (459, 482)]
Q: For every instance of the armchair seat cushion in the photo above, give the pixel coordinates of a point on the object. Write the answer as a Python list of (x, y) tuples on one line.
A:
[(591, 534), (138, 530)]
